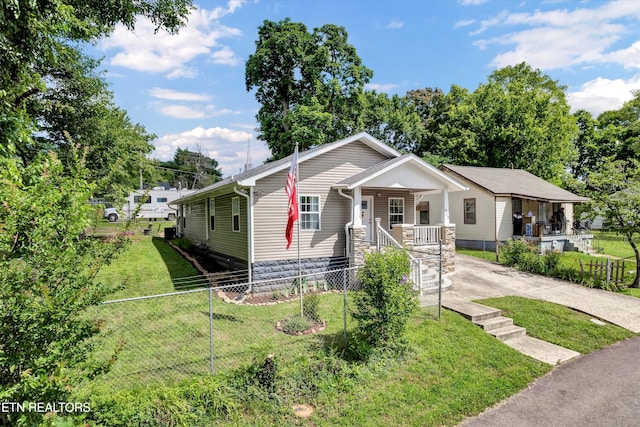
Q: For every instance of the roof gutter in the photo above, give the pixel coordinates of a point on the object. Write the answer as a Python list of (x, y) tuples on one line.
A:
[(347, 225)]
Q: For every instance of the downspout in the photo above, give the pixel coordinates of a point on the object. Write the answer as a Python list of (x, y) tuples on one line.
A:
[(249, 231), (347, 225)]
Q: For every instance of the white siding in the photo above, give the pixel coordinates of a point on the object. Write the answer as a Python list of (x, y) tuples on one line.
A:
[(485, 226), (504, 218)]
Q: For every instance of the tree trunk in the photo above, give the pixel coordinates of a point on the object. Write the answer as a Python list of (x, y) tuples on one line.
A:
[(636, 281)]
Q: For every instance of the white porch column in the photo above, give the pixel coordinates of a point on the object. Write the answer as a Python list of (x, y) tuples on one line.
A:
[(444, 214), (357, 206)]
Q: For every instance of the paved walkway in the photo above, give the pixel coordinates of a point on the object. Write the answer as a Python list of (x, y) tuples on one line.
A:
[(477, 279)]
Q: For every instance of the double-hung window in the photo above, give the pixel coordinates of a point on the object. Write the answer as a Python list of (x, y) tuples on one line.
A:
[(469, 211), (235, 213), (396, 211), (212, 214), (310, 212)]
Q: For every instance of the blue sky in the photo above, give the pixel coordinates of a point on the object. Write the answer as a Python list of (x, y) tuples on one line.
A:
[(189, 89)]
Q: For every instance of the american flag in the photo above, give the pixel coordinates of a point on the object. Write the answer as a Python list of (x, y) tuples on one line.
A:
[(292, 195)]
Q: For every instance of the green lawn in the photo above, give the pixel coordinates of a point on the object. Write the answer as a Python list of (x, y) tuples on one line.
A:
[(614, 244), (558, 324), (454, 369)]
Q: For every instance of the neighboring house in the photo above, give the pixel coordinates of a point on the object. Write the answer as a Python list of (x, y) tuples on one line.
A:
[(344, 187), (503, 203)]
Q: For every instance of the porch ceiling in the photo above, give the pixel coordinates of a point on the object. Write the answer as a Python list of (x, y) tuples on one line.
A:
[(406, 172)]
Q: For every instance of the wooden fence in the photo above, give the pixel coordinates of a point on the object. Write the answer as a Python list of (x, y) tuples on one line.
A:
[(607, 270)]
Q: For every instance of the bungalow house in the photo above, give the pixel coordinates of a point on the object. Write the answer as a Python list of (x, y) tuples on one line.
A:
[(350, 192), (503, 203)]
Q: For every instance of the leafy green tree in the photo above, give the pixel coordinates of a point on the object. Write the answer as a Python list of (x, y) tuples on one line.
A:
[(77, 106), (519, 118), (47, 282), (36, 36), (619, 130), (191, 169), (614, 188), (393, 120), (308, 84)]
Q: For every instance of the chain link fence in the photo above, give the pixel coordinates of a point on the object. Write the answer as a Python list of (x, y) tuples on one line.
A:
[(169, 337)]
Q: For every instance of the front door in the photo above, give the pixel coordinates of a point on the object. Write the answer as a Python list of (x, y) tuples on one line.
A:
[(367, 214)]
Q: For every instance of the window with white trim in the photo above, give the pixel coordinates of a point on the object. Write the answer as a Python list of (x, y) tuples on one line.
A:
[(469, 211), (212, 214), (235, 213), (396, 211), (310, 212)]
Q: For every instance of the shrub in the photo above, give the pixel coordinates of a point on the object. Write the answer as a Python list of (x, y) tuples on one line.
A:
[(387, 299), (295, 324), (310, 305), (514, 251)]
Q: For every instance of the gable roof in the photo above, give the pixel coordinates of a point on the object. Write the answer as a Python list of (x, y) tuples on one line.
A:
[(514, 182), (249, 177), (411, 176)]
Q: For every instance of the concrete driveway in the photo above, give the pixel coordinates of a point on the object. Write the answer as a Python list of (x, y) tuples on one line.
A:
[(475, 279)]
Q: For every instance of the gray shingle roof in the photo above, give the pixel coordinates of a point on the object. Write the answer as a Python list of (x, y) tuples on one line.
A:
[(514, 182)]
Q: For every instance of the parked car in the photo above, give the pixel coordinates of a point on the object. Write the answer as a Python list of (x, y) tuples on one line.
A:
[(111, 214)]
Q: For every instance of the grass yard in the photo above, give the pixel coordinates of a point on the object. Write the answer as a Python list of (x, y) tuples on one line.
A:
[(454, 369), (558, 324), (614, 244)]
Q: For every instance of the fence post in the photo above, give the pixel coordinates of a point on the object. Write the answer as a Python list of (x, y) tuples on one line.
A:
[(608, 279), (210, 329), (440, 282), (344, 298)]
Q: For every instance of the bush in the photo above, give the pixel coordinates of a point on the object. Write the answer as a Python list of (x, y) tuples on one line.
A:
[(295, 324), (387, 299), (310, 305)]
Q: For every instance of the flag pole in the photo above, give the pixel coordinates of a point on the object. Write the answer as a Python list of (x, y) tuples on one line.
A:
[(298, 233)]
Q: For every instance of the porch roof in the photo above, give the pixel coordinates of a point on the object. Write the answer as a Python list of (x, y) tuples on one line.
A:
[(404, 172), (515, 183)]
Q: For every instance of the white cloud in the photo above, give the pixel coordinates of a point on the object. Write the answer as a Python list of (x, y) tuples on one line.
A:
[(601, 94), (225, 56), (381, 87), (394, 24), (472, 2), (147, 51), (464, 23), (563, 38), (227, 146), (160, 93), (191, 112)]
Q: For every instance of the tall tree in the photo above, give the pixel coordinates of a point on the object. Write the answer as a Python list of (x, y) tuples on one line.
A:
[(614, 188), (191, 169), (619, 130), (309, 85), (36, 35), (393, 120), (520, 118)]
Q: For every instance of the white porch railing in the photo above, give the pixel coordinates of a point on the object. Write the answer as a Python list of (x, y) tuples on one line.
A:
[(426, 234), (418, 269), (581, 240), (384, 239)]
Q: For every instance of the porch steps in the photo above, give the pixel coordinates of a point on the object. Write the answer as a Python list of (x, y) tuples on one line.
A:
[(491, 320)]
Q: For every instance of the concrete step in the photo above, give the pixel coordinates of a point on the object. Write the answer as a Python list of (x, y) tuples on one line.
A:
[(508, 332), (494, 323), (542, 350), (472, 311)]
